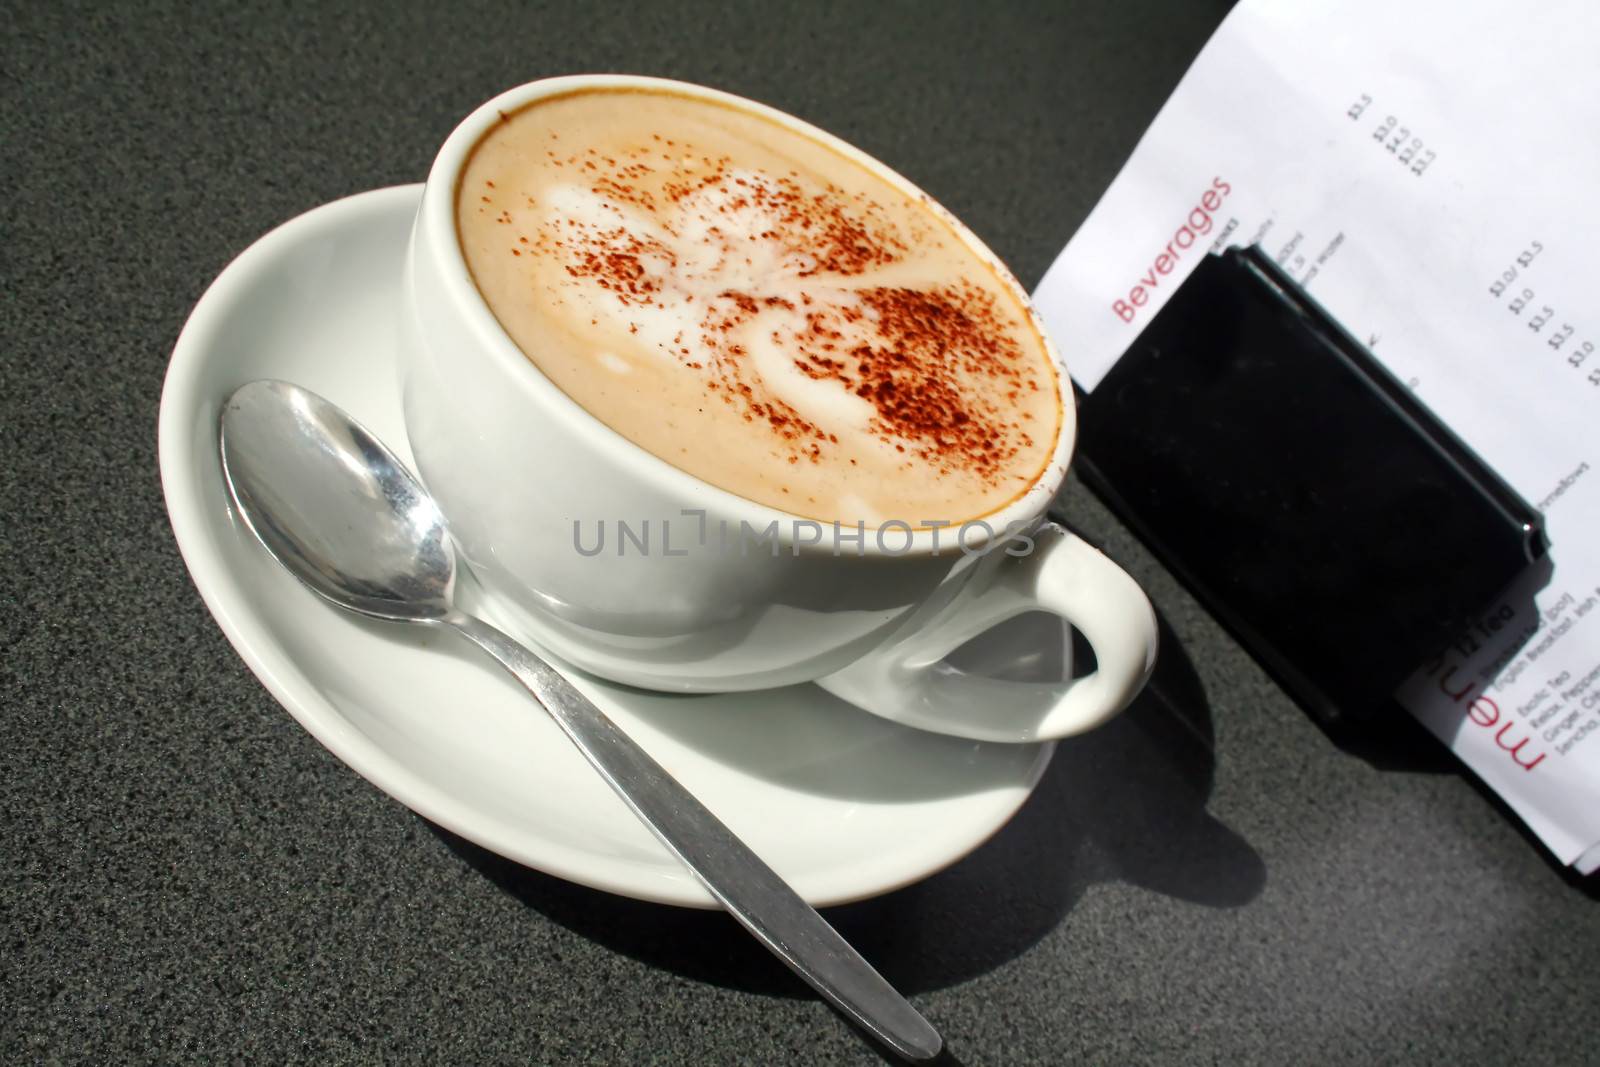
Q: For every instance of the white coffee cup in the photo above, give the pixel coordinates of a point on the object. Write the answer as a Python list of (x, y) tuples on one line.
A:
[(706, 600)]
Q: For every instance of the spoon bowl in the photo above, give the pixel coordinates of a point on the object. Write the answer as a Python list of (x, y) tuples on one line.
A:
[(334, 506)]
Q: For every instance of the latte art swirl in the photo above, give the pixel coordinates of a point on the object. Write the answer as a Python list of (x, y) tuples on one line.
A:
[(756, 309)]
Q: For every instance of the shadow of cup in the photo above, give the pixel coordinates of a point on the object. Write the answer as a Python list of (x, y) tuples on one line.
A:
[(1125, 802)]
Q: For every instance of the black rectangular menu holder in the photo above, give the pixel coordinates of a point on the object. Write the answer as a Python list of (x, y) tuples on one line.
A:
[(1340, 531)]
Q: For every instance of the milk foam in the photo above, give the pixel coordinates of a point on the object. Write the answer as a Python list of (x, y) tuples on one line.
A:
[(753, 308)]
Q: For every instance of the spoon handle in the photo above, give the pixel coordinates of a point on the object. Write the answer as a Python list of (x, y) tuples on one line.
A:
[(736, 876)]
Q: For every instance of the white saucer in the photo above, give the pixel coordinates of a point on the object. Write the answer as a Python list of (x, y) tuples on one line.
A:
[(843, 805)]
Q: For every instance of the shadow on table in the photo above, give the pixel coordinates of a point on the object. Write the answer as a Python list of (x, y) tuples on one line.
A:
[(1126, 802)]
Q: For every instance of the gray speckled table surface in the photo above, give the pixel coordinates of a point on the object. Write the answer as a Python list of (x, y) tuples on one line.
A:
[(187, 875)]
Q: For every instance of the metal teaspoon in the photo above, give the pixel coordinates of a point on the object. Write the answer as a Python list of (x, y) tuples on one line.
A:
[(343, 515)]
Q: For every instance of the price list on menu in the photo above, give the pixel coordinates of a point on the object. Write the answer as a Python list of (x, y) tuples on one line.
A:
[(1428, 173)]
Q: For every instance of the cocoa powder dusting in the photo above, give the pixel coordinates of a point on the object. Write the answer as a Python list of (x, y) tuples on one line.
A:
[(934, 343), (928, 360)]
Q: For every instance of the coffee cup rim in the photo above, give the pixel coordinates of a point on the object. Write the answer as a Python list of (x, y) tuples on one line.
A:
[(436, 219)]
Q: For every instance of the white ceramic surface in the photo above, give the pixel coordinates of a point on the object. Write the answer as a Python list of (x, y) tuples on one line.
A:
[(517, 465), (842, 804)]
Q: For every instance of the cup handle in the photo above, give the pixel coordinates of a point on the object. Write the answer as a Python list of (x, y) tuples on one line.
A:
[(907, 680)]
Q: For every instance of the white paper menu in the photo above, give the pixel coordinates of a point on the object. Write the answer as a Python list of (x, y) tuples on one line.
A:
[(1430, 173)]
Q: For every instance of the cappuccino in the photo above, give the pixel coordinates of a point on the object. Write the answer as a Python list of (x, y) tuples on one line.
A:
[(758, 309)]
